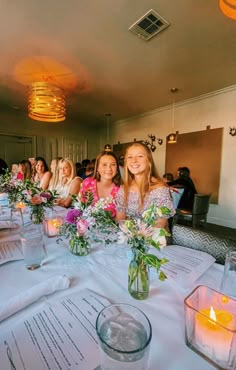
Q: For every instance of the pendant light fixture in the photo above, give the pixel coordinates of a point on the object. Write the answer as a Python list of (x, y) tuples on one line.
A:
[(46, 102), (228, 8), (172, 137)]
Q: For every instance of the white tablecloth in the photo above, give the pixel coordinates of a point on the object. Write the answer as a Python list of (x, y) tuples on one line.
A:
[(105, 273)]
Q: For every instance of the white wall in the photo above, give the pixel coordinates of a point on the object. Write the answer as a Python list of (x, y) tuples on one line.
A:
[(217, 109)]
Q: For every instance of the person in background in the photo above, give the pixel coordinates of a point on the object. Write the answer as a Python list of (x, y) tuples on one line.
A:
[(78, 167), (24, 170), (88, 172), (69, 184), (184, 181), (121, 165), (81, 172), (167, 177), (106, 179), (33, 164), (3, 166), (142, 186), (55, 171), (14, 170), (43, 175)]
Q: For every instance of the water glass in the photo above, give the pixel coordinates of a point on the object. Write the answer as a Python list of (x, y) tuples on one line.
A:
[(32, 246), (228, 284), (124, 334)]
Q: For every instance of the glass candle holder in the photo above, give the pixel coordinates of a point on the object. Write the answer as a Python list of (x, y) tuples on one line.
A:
[(20, 205), (210, 326), (51, 225)]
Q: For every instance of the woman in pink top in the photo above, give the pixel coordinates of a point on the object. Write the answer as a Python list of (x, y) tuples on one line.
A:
[(106, 179)]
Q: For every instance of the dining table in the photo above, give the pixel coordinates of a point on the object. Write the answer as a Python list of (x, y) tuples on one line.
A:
[(104, 271)]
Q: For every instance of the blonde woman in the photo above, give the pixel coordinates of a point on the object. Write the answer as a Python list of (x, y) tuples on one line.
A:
[(55, 171), (69, 183), (142, 186)]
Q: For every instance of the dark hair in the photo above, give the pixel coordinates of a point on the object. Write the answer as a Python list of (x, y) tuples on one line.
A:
[(168, 176), (117, 178), (3, 166), (184, 172), (37, 159)]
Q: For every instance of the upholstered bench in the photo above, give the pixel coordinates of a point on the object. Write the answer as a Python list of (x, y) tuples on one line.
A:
[(203, 241)]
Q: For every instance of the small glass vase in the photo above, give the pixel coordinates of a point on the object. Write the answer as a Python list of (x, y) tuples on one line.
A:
[(138, 281), (37, 214), (79, 245)]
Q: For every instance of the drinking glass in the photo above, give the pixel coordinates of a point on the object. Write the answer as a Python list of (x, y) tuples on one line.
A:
[(124, 334), (228, 284), (32, 246)]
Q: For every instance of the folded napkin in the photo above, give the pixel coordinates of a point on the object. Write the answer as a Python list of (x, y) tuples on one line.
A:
[(24, 299)]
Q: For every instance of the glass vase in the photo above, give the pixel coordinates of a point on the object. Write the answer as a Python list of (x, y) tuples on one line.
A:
[(37, 214), (79, 245), (138, 281)]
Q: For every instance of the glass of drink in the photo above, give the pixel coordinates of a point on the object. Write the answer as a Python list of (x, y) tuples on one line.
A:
[(32, 246), (124, 334), (228, 284)]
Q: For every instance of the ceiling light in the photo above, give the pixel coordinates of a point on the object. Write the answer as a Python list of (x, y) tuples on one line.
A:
[(228, 7), (46, 102), (172, 137)]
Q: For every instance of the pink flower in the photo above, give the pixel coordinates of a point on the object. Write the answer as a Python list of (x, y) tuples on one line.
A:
[(112, 209), (82, 227), (36, 199)]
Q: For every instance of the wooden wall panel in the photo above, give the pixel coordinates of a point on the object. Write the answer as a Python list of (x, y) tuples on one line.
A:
[(201, 152)]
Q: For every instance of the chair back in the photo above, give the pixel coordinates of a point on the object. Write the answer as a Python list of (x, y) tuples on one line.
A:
[(201, 204)]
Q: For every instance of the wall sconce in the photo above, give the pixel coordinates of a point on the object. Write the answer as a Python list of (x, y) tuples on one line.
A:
[(150, 144), (172, 138), (232, 131)]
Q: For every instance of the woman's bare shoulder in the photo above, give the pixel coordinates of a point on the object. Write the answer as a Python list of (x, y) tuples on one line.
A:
[(157, 184)]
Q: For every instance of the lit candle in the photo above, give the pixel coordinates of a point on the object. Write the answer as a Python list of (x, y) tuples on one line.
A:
[(21, 205), (211, 333), (52, 226)]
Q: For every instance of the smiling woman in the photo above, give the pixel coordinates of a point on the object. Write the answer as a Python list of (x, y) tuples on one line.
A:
[(142, 186)]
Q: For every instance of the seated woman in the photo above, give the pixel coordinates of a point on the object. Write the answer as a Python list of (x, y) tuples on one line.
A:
[(142, 186), (24, 170), (42, 174), (69, 184), (106, 179), (55, 171)]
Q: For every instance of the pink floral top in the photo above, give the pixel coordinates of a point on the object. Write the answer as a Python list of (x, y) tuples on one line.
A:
[(90, 184), (160, 196)]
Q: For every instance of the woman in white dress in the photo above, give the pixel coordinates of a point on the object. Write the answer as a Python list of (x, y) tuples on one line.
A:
[(69, 184)]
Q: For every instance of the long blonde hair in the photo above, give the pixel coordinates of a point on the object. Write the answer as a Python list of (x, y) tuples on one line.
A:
[(55, 179), (73, 170), (150, 176)]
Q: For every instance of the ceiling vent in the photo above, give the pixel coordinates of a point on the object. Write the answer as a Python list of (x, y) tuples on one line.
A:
[(149, 25)]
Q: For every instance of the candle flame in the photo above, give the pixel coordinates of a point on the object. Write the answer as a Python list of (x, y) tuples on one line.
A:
[(212, 314)]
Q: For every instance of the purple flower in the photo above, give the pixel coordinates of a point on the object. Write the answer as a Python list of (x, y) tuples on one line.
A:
[(72, 216), (46, 195)]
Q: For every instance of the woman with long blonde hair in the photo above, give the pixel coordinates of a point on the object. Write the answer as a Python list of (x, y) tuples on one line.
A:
[(55, 171), (69, 184), (142, 186)]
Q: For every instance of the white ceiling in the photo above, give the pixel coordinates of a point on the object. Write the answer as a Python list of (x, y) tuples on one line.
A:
[(106, 68)]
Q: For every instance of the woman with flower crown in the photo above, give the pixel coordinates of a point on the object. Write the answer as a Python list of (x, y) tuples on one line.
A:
[(106, 179), (142, 187)]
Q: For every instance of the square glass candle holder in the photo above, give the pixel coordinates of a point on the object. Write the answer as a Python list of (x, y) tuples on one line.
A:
[(210, 326), (51, 225)]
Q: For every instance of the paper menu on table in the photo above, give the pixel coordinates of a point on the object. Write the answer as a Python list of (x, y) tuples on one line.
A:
[(185, 265), (10, 251), (61, 335)]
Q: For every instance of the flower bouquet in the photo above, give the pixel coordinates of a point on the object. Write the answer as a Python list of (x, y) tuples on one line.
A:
[(13, 187), (140, 234), (37, 199)]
